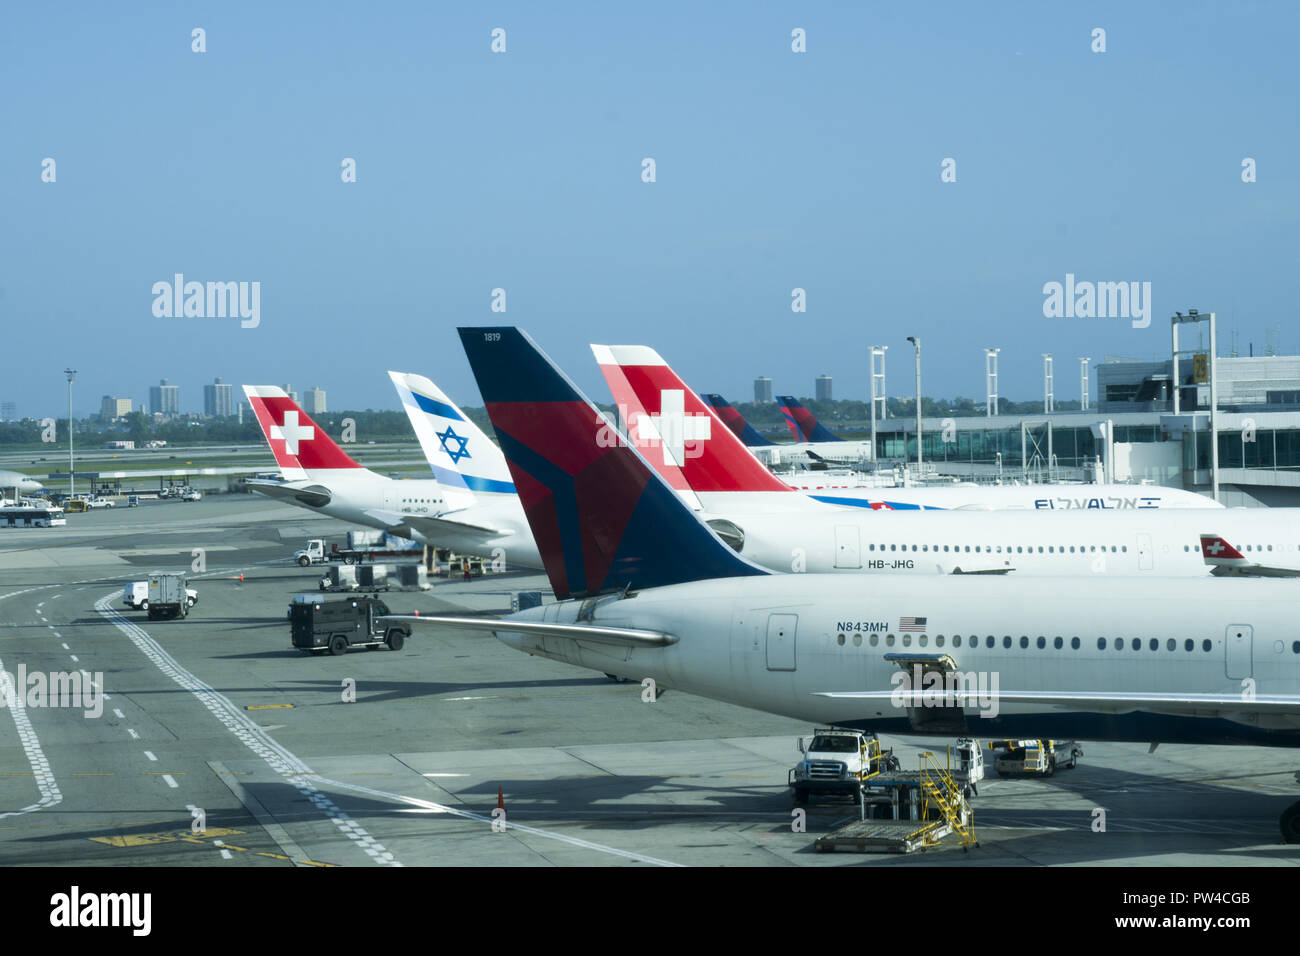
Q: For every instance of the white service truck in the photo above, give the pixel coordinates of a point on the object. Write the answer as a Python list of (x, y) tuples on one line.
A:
[(836, 761), (163, 595), (135, 595)]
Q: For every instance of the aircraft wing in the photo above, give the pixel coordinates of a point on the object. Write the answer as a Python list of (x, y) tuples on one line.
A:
[(430, 526), (621, 636), (1225, 560), (1188, 705)]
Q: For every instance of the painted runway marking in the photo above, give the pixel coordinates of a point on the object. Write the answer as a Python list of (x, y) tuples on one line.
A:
[(75, 658), (171, 781), (117, 713), (149, 754), (277, 757), (134, 735), (66, 648)]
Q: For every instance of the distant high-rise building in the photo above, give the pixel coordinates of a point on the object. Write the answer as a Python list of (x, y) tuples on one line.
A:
[(762, 389), (218, 399), (289, 391), (315, 403), (165, 399), (823, 388), (112, 407)]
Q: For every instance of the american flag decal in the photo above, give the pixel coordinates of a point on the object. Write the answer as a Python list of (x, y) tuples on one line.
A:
[(911, 624)]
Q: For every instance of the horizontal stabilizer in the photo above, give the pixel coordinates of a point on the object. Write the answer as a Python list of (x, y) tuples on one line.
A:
[(620, 636)]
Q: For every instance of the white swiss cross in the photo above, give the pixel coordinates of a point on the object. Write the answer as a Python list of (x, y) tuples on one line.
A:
[(1215, 548), (292, 433), (672, 427)]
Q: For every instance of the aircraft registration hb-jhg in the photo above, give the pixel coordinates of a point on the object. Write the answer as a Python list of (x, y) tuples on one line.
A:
[(647, 590)]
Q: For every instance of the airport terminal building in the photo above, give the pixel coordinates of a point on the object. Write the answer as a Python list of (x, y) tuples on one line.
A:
[(1258, 429)]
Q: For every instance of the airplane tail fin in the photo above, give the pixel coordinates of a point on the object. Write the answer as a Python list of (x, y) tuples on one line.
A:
[(675, 430), (601, 516), (300, 445), (460, 454), (728, 415), (803, 422)]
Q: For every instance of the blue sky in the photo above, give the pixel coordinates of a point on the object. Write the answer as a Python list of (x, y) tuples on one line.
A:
[(522, 171)]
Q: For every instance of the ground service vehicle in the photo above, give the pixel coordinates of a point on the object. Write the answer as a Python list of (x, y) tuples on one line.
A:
[(168, 596), (135, 595), (837, 761), (389, 548), (321, 625), (1035, 757)]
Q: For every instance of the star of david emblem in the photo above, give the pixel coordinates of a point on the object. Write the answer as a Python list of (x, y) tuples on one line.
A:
[(458, 451)]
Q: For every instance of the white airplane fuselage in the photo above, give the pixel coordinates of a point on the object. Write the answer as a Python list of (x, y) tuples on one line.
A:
[(776, 643), (476, 524)]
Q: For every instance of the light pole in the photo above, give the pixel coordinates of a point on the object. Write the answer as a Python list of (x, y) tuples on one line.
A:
[(72, 481), (917, 342)]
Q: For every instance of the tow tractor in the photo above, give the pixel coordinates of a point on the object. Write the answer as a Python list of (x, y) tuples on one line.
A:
[(1037, 758)]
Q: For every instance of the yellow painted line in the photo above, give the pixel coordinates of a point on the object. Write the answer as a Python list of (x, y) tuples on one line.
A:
[(153, 839), (274, 856), (315, 863), (160, 773), (94, 773), (268, 706), (231, 846)]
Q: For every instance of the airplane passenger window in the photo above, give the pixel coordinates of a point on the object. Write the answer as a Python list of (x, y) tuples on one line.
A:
[(1123, 548), (924, 547), (1019, 549), (968, 549), (1137, 643), (875, 639), (1058, 643), (1188, 644), (938, 641), (1154, 644), (1295, 647), (1101, 643), (1074, 643), (913, 547), (945, 548), (1206, 645), (893, 547), (1042, 642), (922, 640), (1171, 645), (857, 640), (1024, 642), (840, 640), (1040, 549), (989, 642), (889, 640), (1119, 643), (1050, 549), (907, 640), (1006, 641), (977, 549), (956, 640)]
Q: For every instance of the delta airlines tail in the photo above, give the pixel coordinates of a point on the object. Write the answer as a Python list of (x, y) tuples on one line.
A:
[(459, 452), (601, 517), (728, 415), (802, 422)]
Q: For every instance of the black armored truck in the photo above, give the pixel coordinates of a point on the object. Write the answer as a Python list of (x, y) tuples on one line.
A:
[(321, 625)]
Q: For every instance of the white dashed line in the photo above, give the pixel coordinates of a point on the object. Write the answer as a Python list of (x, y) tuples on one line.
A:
[(31, 744), (149, 754), (134, 735), (75, 658), (118, 714), (279, 759), (66, 648), (171, 781)]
